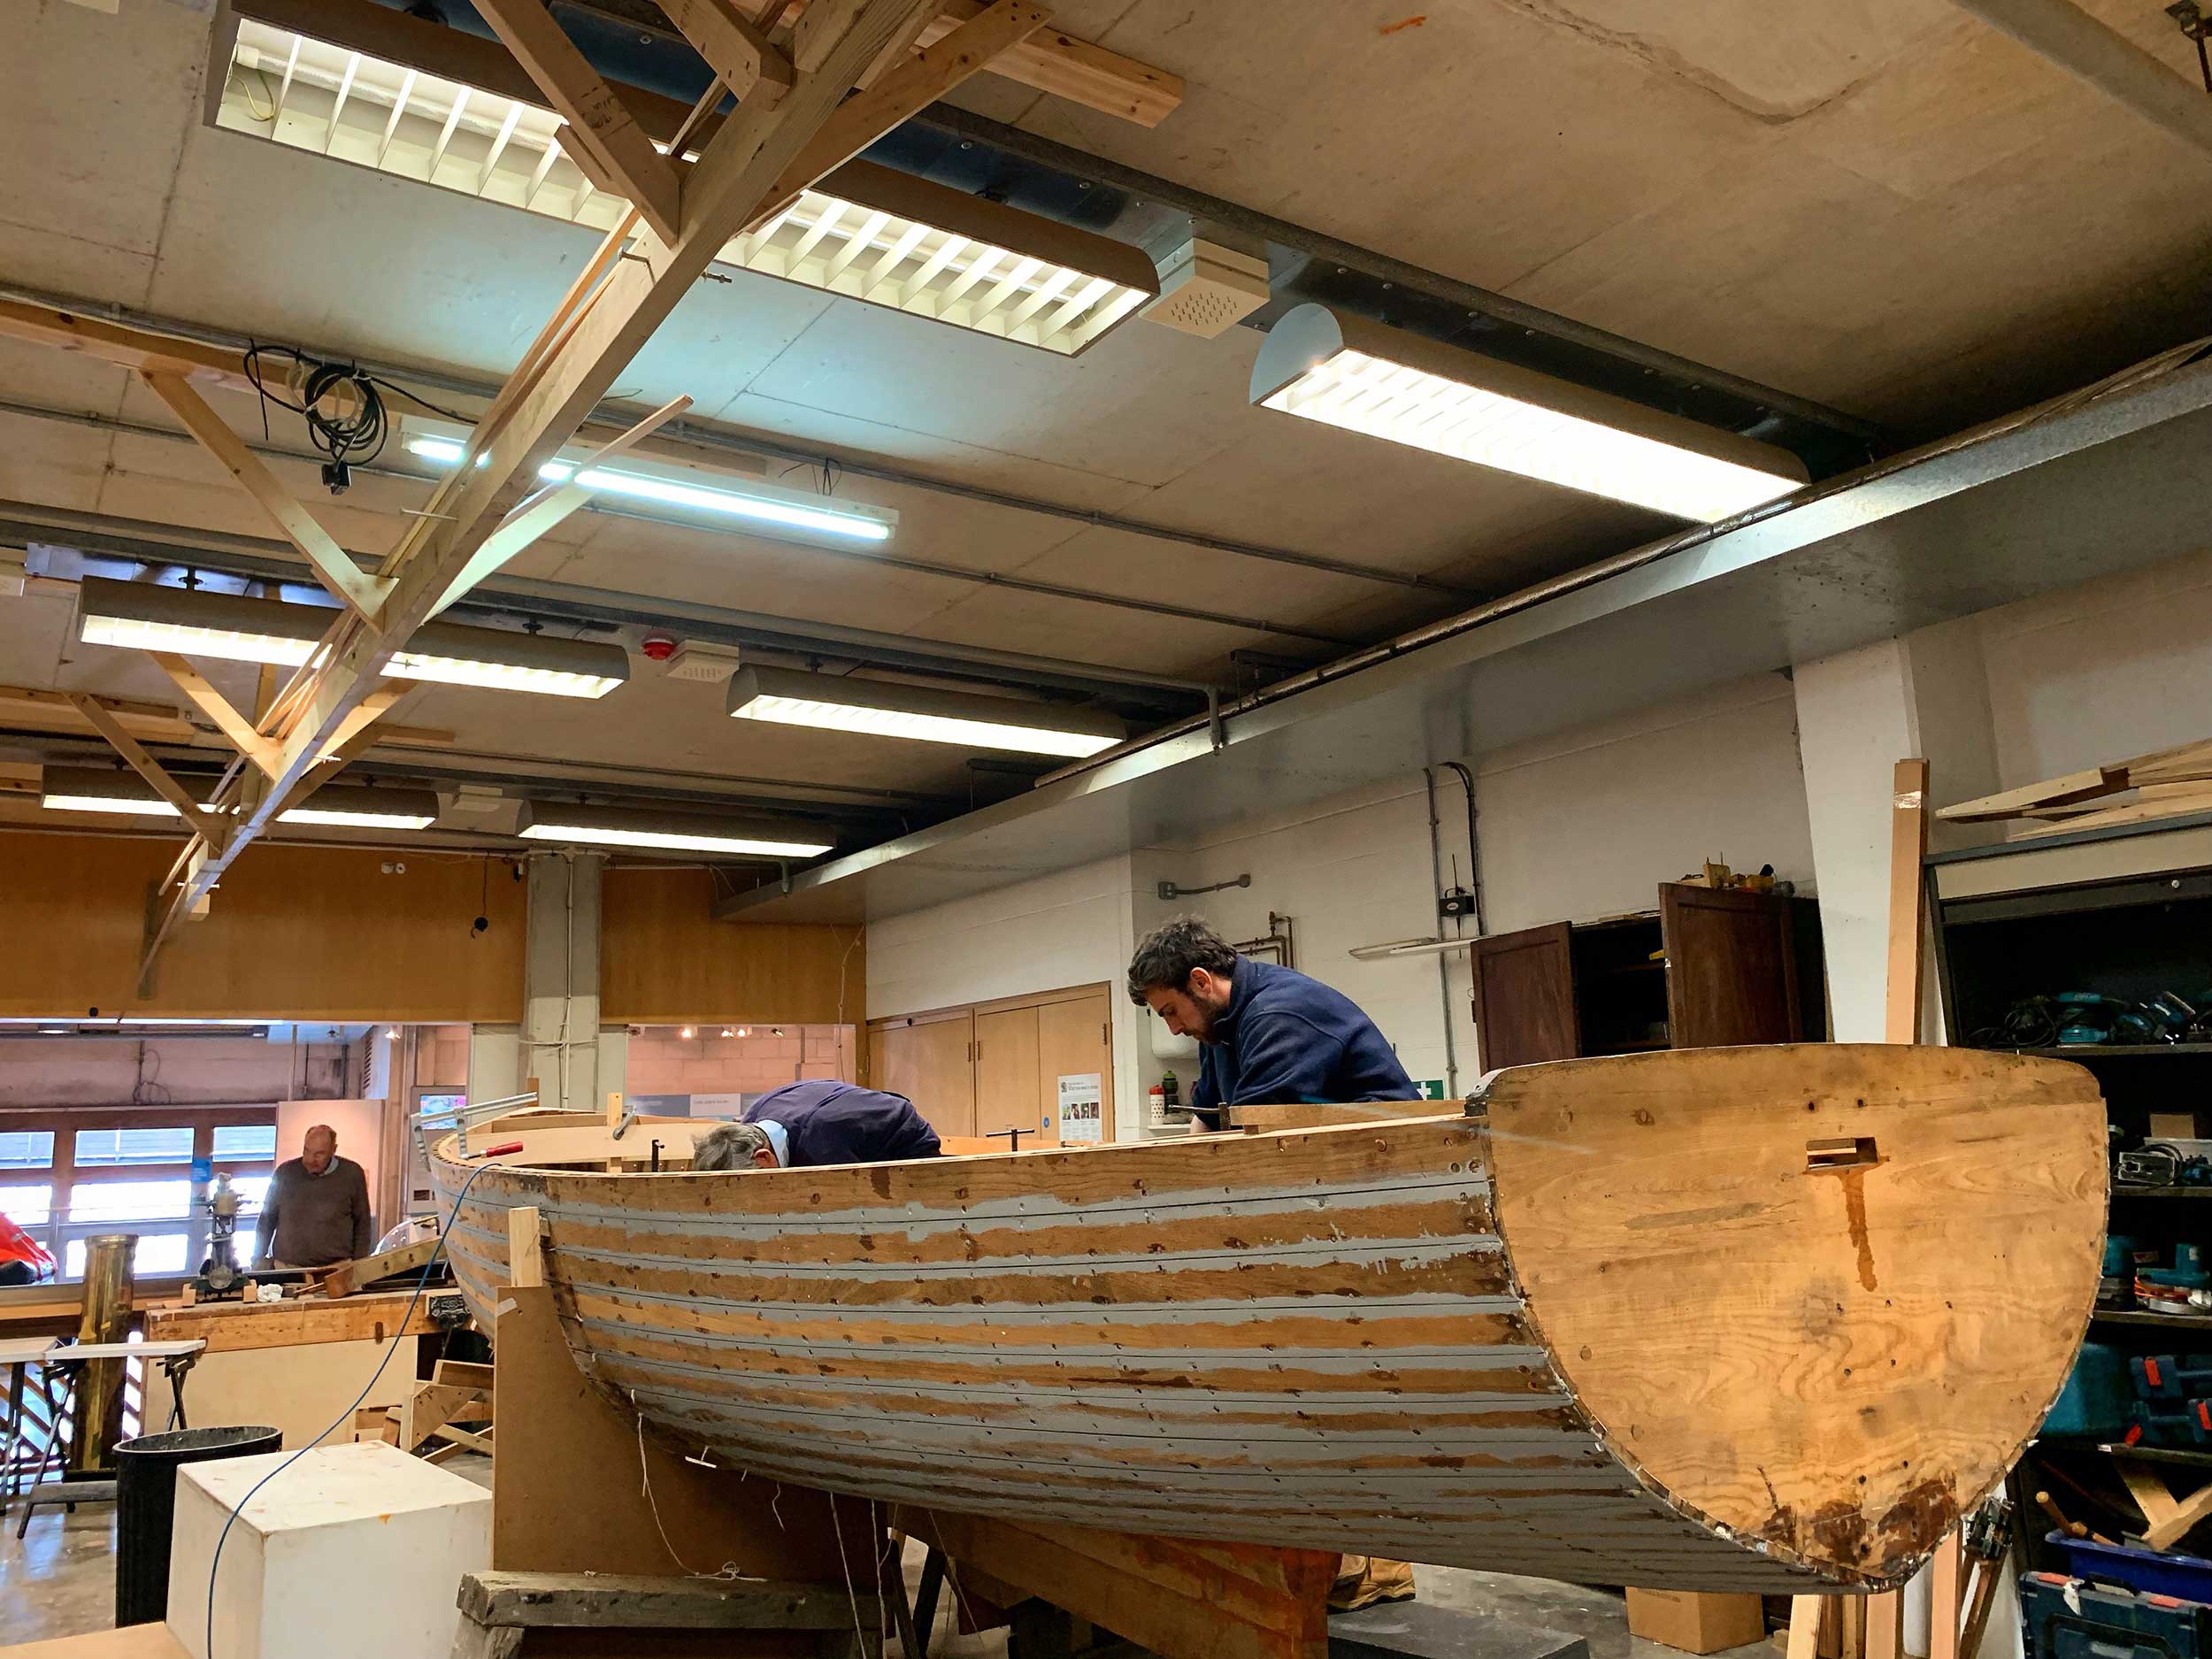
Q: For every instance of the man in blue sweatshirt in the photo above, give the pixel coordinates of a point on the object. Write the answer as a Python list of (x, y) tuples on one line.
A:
[(1271, 1036), (819, 1121)]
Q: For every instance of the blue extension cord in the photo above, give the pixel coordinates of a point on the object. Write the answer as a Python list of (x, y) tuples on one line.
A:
[(347, 1415)]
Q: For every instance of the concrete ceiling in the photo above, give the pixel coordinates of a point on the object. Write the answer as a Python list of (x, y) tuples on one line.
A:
[(1877, 203)]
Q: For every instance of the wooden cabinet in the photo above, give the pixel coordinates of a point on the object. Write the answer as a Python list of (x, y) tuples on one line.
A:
[(990, 1067), (1710, 968), (930, 1058)]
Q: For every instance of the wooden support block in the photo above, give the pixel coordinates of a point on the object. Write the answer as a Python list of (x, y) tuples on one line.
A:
[(466, 1438), (1949, 1587), (1886, 1626), (1181, 1599), (561, 1600), (464, 1373), (1805, 1615), (561, 1437), (525, 1263), (349, 1277)]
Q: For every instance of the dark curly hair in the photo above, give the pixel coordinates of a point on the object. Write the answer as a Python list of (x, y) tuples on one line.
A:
[(1167, 955)]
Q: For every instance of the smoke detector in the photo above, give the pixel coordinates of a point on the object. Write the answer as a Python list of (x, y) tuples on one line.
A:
[(1206, 289), (658, 647), (709, 664)]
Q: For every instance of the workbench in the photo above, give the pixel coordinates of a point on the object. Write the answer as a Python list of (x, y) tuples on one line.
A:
[(58, 1363), (296, 1365)]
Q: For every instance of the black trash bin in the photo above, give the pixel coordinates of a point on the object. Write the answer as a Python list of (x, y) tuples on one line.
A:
[(146, 1503)]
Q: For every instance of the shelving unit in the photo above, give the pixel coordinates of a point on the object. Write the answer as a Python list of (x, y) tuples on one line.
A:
[(2124, 916)]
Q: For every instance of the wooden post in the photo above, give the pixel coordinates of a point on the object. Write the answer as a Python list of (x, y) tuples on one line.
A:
[(1943, 1612), (526, 1267), (614, 1121), (1907, 847)]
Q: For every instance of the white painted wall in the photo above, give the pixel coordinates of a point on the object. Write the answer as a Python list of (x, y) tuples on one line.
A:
[(1586, 823), (1050, 932), (1583, 826), (2096, 672)]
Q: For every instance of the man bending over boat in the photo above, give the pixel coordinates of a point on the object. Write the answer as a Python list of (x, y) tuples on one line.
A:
[(1270, 1036), (803, 1125)]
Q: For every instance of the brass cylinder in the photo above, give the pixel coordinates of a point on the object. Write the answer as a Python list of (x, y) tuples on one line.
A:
[(108, 1293)]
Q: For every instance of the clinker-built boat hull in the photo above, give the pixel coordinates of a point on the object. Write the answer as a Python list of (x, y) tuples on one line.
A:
[(1732, 1319)]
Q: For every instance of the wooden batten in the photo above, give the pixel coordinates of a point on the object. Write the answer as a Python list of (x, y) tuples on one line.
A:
[(1567, 1337)]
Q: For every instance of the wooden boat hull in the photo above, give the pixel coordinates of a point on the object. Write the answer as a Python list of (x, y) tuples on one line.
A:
[(1739, 1320)]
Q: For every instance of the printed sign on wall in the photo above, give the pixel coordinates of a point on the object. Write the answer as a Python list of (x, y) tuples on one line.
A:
[(1082, 1108)]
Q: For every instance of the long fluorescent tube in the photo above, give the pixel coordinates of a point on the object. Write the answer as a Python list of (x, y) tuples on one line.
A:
[(789, 697), (761, 506), (864, 232), (1361, 375), (99, 789), (671, 831), (362, 806), (366, 806), (191, 622)]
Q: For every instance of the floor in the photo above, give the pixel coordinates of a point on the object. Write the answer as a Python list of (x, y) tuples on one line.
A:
[(59, 1581)]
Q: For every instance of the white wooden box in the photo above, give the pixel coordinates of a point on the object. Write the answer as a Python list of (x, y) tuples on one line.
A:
[(355, 1552)]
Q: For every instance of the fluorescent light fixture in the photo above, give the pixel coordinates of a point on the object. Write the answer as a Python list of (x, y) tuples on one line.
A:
[(369, 806), (671, 831), (363, 806), (864, 233), (762, 506), (876, 709), (1352, 373), (193, 623), (100, 789)]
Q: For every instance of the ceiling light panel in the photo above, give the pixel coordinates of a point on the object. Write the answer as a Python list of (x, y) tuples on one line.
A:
[(867, 233), (763, 508), (878, 709), (195, 623), (671, 831), (1365, 377), (373, 806), (97, 789)]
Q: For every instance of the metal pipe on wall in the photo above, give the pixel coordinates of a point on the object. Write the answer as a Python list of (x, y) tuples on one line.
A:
[(1443, 974)]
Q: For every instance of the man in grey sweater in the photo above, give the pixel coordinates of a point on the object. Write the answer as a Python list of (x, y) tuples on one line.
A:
[(317, 1212)]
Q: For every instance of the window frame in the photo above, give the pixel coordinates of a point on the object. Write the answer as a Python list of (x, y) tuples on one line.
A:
[(64, 1176)]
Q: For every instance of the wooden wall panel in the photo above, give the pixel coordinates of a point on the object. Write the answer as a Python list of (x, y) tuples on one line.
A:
[(931, 1062), (663, 959), (308, 932)]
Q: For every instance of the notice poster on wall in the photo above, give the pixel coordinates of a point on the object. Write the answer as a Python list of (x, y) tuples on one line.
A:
[(1082, 1108)]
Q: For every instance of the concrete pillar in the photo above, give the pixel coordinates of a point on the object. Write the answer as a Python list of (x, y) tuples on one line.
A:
[(559, 1039), (1858, 714)]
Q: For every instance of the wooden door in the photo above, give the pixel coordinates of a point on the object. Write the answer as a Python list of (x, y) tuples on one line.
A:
[(1732, 967), (1007, 1096), (1525, 997), (931, 1061), (1074, 1040)]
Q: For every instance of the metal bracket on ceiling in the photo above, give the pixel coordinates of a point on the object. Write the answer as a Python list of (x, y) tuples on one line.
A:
[(1216, 730)]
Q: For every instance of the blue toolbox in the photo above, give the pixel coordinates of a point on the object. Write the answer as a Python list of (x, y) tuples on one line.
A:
[(2173, 1376), (2073, 1619)]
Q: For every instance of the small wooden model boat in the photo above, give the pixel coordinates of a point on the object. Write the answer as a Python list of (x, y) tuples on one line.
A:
[(1763, 1318)]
